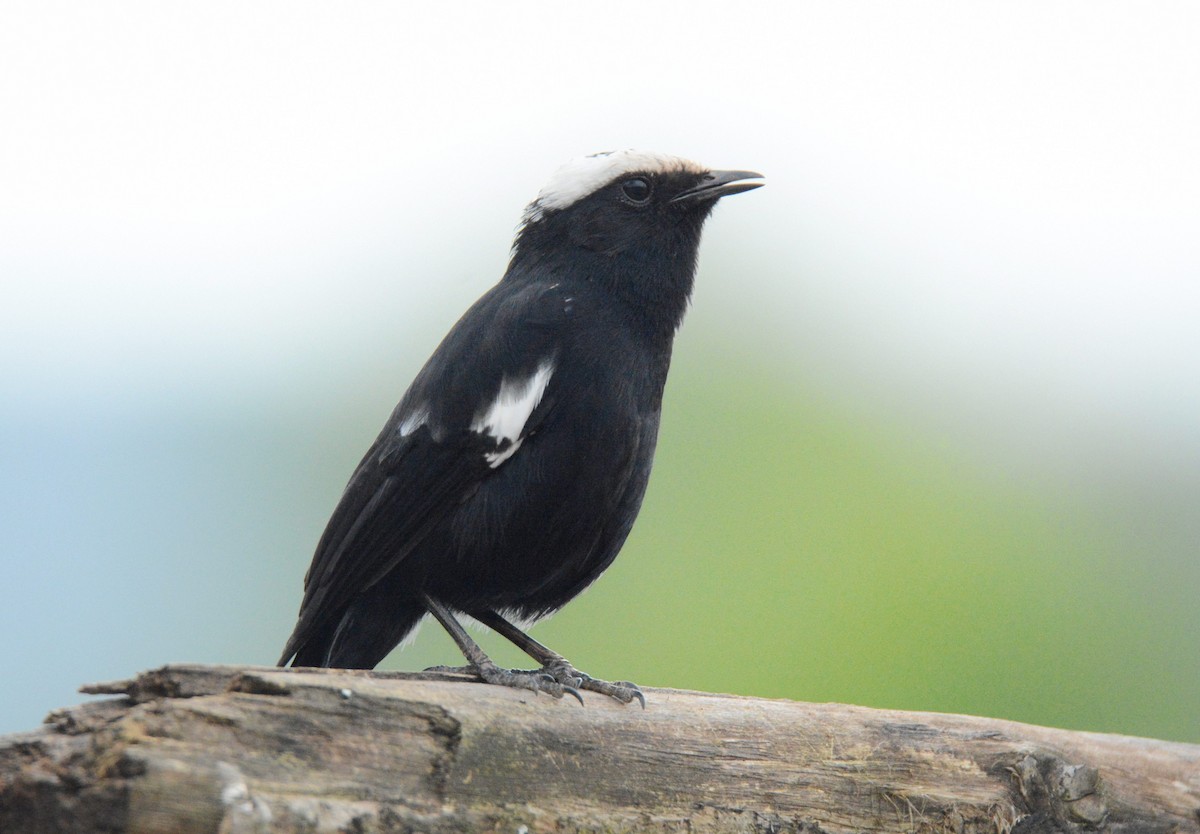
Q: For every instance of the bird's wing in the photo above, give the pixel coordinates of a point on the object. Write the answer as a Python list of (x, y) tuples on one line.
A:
[(484, 390)]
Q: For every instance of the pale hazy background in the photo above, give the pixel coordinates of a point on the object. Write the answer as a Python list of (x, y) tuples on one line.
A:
[(932, 437)]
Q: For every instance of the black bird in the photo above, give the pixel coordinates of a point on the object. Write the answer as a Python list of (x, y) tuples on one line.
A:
[(509, 475)]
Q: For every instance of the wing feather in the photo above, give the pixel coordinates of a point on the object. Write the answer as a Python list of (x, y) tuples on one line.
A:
[(428, 459)]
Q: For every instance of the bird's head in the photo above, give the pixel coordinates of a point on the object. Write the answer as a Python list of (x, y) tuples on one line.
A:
[(630, 219)]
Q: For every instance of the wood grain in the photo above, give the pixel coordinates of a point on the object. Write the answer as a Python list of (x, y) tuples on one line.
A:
[(245, 749)]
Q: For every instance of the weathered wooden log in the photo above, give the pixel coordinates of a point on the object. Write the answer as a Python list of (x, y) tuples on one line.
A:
[(224, 749)]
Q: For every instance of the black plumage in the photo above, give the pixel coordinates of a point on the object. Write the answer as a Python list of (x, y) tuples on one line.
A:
[(510, 474)]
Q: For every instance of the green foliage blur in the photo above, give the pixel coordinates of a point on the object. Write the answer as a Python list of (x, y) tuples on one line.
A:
[(791, 545), (787, 550)]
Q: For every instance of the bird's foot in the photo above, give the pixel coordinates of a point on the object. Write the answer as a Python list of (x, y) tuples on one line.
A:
[(567, 675), (535, 680)]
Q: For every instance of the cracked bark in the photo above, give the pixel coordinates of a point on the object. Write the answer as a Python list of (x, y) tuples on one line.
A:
[(240, 749)]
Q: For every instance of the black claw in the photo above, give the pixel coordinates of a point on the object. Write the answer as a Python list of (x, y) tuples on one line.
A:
[(534, 681), (571, 678), (555, 679), (634, 691)]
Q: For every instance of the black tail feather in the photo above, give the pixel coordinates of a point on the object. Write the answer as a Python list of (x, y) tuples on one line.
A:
[(364, 635)]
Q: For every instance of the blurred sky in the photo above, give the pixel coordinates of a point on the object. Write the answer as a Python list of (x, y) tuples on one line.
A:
[(981, 224)]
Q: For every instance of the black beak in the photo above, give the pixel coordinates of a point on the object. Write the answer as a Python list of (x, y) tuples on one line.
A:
[(717, 184)]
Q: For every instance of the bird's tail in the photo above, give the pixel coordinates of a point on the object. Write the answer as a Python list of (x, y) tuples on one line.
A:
[(364, 635)]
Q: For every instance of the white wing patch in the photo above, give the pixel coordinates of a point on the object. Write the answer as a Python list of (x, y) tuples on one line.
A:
[(580, 177), (505, 418)]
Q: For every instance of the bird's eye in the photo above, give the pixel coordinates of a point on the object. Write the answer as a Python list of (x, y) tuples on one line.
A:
[(636, 189)]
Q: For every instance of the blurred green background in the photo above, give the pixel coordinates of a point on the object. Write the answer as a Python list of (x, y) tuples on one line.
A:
[(932, 434)]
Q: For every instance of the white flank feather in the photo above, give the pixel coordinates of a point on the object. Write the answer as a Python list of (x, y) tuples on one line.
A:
[(415, 419)]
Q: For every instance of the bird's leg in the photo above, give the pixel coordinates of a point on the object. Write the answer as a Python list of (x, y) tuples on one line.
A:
[(482, 665), (557, 666)]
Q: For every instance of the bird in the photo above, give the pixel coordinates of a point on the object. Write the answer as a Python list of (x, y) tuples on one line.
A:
[(509, 475)]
